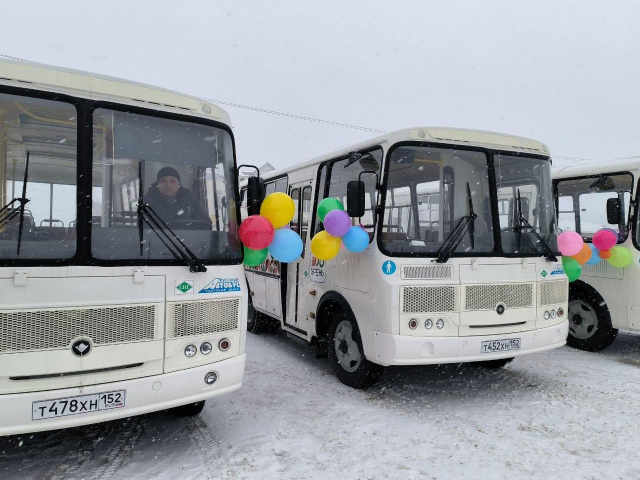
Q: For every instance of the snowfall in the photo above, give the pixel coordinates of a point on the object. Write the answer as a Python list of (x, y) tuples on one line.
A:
[(561, 414)]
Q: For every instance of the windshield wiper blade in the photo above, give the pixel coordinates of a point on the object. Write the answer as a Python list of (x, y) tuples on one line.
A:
[(7, 214), (464, 225), (524, 223)]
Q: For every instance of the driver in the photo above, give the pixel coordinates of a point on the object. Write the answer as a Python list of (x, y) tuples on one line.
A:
[(171, 201)]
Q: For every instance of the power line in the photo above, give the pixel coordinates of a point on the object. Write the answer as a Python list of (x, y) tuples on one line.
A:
[(294, 116)]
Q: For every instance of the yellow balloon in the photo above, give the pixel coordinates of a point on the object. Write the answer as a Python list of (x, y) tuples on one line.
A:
[(324, 246), (278, 208)]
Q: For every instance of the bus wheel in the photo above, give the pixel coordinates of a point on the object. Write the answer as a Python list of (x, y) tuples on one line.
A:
[(589, 321), (346, 355), (254, 320), (190, 410), (495, 364)]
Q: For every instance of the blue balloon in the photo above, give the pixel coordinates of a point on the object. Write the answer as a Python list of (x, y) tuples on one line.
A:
[(595, 258), (286, 246), (356, 240)]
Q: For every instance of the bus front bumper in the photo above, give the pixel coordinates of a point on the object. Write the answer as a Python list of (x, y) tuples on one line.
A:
[(408, 350), (142, 395)]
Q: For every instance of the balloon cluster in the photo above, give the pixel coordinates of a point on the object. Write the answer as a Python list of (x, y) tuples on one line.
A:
[(576, 253), (268, 233), (337, 230)]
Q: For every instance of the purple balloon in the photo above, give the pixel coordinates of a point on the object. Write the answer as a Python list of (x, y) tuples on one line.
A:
[(337, 223)]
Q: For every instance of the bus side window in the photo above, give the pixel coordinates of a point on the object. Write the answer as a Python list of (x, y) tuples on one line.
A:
[(295, 221), (566, 214), (306, 215), (243, 204), (318, 227)]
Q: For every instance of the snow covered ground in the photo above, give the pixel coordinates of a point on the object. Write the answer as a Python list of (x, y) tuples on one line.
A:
[(562, 414)]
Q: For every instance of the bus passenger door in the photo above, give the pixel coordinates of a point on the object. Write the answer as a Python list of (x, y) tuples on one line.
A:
[(295, 317)]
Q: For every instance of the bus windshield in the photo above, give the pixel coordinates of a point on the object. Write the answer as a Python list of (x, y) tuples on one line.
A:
[(183, 171), (525, 203), (427, 196)]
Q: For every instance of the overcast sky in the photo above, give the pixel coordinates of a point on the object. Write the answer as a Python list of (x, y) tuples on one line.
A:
[(566, 73)]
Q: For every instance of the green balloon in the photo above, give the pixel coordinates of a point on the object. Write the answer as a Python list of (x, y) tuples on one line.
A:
[(328, 204), (620, 257), (571, 268), (253, 258)]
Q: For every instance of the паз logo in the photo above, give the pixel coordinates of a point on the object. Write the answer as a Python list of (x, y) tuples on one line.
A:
[(81, 347), (218, 285)]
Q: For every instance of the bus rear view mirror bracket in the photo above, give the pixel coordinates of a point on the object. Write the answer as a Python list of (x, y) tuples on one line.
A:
[(614, 211)]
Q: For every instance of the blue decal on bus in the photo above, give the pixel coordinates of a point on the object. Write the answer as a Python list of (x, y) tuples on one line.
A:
[(218, 285), (389, 267)]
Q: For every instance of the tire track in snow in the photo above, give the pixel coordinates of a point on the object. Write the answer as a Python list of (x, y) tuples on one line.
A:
[(203, 440), (128, 438)]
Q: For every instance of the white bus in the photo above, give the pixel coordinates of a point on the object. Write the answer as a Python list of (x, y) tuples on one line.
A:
[(461, 265), (604, 298), (121, 281)]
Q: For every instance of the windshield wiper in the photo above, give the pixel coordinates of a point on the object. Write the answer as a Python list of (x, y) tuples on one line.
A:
[(167, 236), (523, 223), (7, 213), (464, 225)]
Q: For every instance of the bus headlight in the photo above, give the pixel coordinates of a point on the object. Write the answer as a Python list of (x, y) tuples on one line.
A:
[(553, 313), (440, 323), (547, 315), (206, 348), (190, 350), (428, 324), (413, 324), (224, 344), (210, 378)]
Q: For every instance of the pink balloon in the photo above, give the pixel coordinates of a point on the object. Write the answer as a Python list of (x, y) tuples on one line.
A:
[(605, 238), (337, 223), (570, 243)]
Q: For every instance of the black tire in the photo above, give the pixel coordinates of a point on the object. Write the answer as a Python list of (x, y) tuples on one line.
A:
[(495, 364), (351, 366), (590, 325), (254, 320), (190, 410)]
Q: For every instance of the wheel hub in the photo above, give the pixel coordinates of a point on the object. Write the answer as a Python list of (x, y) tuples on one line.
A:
[(584, 321), (346, 347)]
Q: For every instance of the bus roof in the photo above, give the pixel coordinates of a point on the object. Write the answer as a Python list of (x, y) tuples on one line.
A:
[(618, 165), (38, 76), (474, 138)]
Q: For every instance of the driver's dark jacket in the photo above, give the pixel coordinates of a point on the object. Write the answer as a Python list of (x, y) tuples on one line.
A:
[(184, 206)]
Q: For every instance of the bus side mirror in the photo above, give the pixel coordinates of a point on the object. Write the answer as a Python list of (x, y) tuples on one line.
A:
[(255, 195), (355, 198), (614, 211)]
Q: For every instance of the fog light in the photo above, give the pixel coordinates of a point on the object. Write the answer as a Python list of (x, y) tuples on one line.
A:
[(428, 324), (547, 315), (210, 378), (190, 351), (206, 348), (560, 312), (552, 313), (440, 323), (413, 324), (224, 344)]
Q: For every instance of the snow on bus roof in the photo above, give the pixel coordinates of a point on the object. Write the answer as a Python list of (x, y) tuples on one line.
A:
[(595, 168), (474, 138), (26, 74)]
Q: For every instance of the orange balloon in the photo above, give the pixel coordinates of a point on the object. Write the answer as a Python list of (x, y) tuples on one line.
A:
[(604, 254), (583, 255)]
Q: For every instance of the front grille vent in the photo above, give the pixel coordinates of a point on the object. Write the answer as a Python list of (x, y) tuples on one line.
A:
[(427, 272), (30, 330), (434, 299), (486, 297), (185, 319), (552, 293)]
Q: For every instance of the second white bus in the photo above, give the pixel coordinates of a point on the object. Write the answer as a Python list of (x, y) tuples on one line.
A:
[(461, 265)]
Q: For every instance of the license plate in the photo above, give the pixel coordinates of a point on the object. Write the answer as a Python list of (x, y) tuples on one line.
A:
[(63, 407), (496, 346)]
